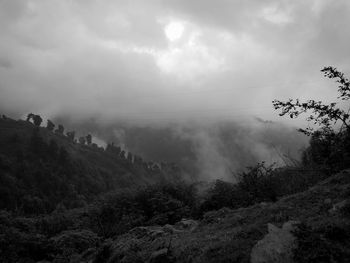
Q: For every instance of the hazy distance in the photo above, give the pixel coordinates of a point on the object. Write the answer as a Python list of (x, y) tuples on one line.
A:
[(199, 74)]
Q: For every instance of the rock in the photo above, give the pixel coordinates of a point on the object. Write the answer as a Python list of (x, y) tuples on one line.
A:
[(187, 224), (160, 256), (277, 246), (264, 204), (216, 216), (338, 207), (148, 232), (327, 201), (140, 231), (88, 255), (157, 233)]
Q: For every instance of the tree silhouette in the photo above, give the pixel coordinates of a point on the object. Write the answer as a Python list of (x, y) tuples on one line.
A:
[(122, 155), (53, 149), (88, 139), (50, 125), (129, 157), (60, 129), (63, 156), (322, 115), (37, 120), (82, 140), (328, 147), (36, 143), (71, 135), (29, 116)]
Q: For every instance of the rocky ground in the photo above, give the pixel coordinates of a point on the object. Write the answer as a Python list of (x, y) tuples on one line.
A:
[(312, 226)]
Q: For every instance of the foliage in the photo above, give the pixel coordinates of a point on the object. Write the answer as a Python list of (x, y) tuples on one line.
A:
[(155, 205), (53, 182), (37, 120), (71, 242), (328, 147), (19, 242), (82, 140), (259, 183), (50, 125), (88, 139), (325, 243), (60, 129), (322, 115), (71, 135)]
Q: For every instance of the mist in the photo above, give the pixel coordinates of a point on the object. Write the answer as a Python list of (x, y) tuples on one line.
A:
[(180, 81), (205, 150)]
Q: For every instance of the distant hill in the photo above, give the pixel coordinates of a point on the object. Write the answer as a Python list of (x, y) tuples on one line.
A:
[(206, 150), (41, 169)]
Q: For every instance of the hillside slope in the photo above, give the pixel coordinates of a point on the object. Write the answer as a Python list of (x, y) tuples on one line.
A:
[(227, 235), (40, 169)]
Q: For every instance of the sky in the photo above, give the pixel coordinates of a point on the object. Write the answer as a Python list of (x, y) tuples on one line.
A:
[(176, 66), (153, 61)]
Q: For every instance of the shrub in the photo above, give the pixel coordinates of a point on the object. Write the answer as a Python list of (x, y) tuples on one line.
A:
[(329, 145), (325, 243)]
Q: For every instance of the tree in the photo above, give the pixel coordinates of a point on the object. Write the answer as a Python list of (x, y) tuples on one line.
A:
[(71, 135), (82, 140), (129, 157), (322, 115), (122, 155), (328, 146), (29, 116), (36, 143), (60, 129), (88, 139), (63, 156), (53, 149), (50, 125), (37, 120)]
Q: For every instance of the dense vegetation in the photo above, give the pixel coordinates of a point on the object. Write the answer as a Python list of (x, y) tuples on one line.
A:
[(60, 196), (41, 169)]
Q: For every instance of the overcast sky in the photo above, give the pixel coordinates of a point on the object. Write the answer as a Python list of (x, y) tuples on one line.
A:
[(166, 60)]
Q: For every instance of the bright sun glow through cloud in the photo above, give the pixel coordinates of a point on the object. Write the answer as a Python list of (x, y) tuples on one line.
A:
[(174, 30)]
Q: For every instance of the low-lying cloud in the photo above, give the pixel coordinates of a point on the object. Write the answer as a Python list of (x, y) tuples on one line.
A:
[(206, 150), (166, 63)]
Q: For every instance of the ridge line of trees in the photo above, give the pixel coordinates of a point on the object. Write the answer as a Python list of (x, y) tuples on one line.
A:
[(110, 148)]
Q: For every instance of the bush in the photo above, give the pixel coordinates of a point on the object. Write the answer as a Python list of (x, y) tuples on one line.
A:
[(329, 145), (72, 242), (160, 204), (325, 243)]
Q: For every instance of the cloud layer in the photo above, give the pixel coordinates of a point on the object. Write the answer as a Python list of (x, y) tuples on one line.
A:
[(196, 70), (116, 60)]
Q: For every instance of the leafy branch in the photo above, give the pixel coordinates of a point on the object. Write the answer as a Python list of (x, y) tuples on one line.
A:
[(322, 115)]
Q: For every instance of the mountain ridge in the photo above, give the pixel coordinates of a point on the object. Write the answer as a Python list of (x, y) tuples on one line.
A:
[(29, 154)]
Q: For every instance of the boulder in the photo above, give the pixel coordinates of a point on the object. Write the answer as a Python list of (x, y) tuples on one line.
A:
[(160, 256), (187, 224), (277, 246), (338, 207), (327, 201)]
